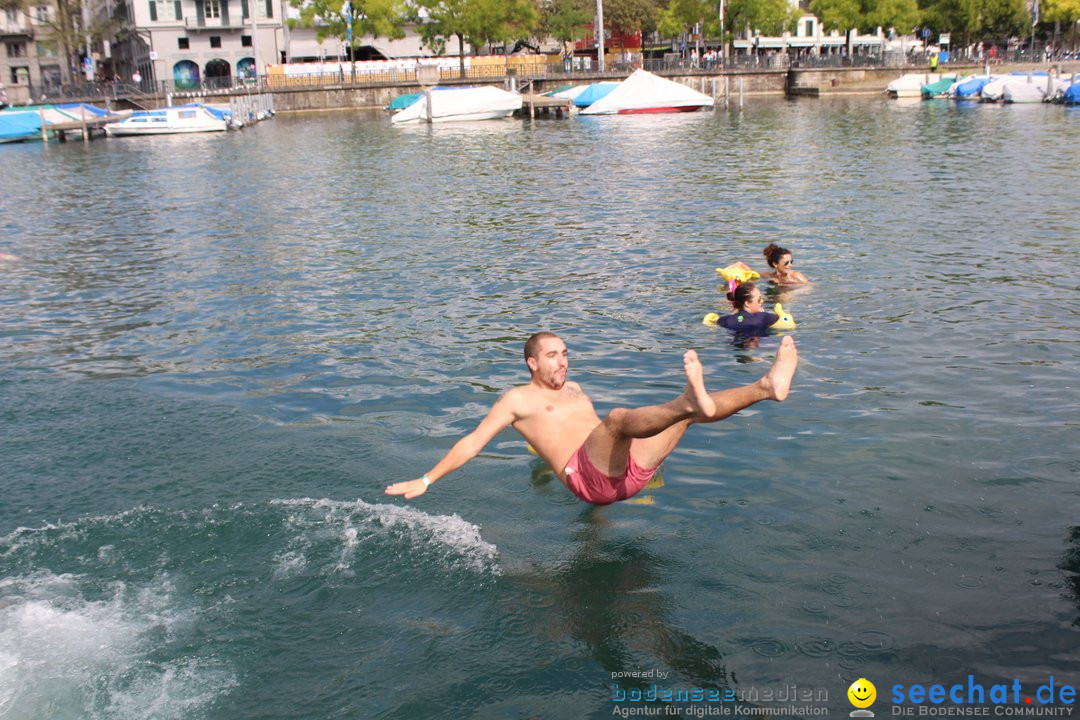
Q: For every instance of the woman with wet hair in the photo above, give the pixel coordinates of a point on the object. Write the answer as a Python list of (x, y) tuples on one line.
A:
[(780, 261), (749, 314)]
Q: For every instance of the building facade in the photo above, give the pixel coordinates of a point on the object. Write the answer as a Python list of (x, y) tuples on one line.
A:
[(28, 58), (809, 39), (185, 44)]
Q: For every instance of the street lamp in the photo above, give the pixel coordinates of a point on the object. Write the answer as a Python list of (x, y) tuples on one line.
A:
[(255, 43), (600, 35), (347, 10), (723, 42)]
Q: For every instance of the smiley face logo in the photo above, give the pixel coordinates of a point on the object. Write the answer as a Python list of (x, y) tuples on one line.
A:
[(862, 693)]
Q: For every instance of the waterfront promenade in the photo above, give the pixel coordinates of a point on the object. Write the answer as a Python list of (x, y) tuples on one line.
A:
[(334, 92)]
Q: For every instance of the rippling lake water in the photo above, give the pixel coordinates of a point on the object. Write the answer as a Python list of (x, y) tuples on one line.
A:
[(217, 351)]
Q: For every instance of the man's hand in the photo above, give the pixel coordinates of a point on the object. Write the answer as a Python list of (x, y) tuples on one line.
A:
[(409, 488)]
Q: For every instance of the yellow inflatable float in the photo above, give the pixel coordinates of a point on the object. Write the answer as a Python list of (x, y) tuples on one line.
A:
[(739, 273), (786, 322)]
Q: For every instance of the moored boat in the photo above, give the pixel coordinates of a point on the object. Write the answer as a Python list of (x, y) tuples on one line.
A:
[(592, 93), (1071, 96), (909, 85), (939, 88), (969, 88), (1032, 89), (403, 101), (457, 104), (19, 126), (193, 118), (994, 91), (644, 92)]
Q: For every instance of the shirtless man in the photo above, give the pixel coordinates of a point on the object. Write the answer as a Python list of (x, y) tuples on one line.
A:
[(601, 461)]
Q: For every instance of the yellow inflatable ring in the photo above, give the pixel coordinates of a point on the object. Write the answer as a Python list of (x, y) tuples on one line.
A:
[(786, 322)]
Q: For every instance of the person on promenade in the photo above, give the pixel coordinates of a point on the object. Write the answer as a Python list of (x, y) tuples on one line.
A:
[(780, 261), (601, 461)]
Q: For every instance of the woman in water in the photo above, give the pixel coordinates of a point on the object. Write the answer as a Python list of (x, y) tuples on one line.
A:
[(780, 261), (749, 314)]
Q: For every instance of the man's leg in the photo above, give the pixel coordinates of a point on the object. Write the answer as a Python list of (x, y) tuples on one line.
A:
[(608, 446), (651, 452)]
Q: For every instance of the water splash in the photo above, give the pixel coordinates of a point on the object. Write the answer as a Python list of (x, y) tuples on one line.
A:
[(449, 536), (75, 648)]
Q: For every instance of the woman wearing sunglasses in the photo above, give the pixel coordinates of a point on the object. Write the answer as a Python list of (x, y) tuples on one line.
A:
[(749, 314), (780, 261)]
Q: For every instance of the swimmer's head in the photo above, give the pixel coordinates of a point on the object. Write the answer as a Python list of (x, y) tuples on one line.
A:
[(747, 294), (774, 255), (546, 356), (532, 345)]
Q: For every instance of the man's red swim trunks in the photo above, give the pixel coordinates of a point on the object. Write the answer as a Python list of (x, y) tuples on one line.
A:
[(588, 483)]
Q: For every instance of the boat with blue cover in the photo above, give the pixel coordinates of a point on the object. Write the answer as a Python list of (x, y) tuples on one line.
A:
[(594, 92), (970, 87), (1071, 96), (19, 126)]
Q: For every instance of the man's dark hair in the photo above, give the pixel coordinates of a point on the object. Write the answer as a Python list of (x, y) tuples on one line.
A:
[(532, 345)]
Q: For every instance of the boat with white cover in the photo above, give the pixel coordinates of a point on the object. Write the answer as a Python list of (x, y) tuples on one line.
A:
[(994, 91), (911, 84), (1033, 89), (456, 104), (644, 92)]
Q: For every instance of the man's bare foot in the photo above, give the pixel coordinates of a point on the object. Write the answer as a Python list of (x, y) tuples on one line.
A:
[(778, 381), (701, 404)]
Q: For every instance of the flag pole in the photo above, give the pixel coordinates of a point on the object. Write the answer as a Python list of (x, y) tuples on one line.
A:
[(600, 35)]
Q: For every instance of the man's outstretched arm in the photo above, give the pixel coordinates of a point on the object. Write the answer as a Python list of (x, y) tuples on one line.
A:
[(464, 450)]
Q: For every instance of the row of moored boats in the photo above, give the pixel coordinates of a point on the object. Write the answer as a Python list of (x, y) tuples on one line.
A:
[(641, 92), (1018, 87), (17, 124)]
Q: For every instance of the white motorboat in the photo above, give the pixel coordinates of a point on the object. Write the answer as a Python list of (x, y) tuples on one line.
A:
[(456, 104), (179, 119)]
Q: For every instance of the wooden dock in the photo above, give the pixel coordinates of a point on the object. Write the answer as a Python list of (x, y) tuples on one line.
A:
[(86, 124), (560, 107)]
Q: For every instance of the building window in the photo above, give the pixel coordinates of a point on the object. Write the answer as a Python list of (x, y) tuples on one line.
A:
[(213, 9), (244, 9), (183, 43), (41, 13), (19, 75), (215, 41), (178, 9), (269, 8), (12, 15), (245, 41), (153, 10), (16, 50), (45, 50)]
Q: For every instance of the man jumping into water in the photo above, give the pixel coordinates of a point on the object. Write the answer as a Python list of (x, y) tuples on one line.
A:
[(601, 461)]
